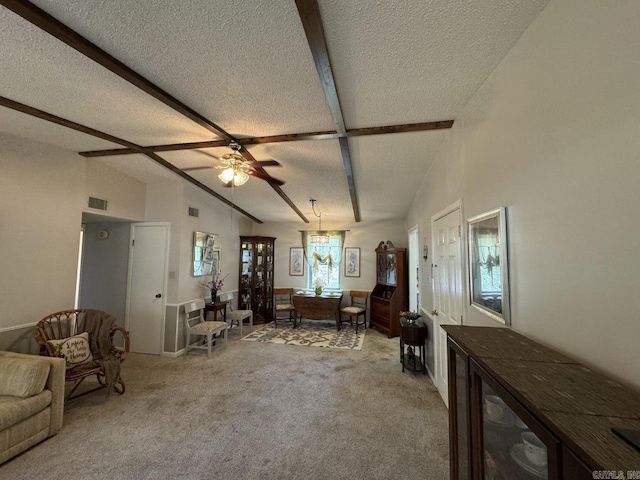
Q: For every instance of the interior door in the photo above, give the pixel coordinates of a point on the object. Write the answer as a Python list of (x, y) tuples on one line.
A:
[(148, 263), (447, 289)]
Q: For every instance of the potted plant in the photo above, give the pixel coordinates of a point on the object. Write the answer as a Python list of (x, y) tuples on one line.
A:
[(318, 283)]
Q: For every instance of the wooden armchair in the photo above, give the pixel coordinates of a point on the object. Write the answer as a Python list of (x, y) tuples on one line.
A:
[(283, 304), (358, 307), (85, 338)]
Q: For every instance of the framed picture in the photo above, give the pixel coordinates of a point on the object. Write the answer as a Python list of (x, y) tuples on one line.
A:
[(488, 264), (296, 261), (352, 262)]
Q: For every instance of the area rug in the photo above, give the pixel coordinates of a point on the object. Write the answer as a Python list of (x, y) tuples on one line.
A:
[(310, 334)]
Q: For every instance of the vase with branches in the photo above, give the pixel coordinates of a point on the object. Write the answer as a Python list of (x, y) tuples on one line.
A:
[(215, 284)]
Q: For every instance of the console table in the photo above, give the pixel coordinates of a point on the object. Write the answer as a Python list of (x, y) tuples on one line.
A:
[(318, 307), (215, 308)]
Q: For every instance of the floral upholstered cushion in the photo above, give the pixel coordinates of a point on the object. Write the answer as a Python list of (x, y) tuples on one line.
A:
[(210, 326), (287, 306), (352, 309)]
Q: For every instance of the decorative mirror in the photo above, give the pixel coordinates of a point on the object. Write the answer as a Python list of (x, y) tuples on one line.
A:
[(488, 266), (206, 254)]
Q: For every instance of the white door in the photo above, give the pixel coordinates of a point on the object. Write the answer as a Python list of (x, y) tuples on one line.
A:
[(414, 273), (447, 288), (148, 262)]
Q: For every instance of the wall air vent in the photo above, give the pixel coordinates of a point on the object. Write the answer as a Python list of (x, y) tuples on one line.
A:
[(98, 203), (194, 212)]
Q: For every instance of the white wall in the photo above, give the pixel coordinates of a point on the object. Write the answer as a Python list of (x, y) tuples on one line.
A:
[(126, 195), (43, 192), (215, 217), (553, 136), (41, 199), (365, 235), (169, 202)]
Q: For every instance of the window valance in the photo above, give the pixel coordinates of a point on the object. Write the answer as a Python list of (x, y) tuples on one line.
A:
[(324, 254)]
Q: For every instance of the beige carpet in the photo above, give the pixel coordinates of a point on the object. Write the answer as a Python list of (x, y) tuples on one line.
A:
[(253, 411)]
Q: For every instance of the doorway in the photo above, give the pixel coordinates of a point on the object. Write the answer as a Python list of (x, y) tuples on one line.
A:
[(447, 285), (147, 286), (102, 265)]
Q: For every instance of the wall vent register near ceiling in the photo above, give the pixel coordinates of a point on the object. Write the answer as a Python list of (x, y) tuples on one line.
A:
[(98, 203), (194, 212)]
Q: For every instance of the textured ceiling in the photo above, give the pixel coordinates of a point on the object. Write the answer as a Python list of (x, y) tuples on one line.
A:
[(247, 67)]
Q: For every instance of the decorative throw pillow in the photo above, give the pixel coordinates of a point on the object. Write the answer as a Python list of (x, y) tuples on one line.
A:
[(75, 350)]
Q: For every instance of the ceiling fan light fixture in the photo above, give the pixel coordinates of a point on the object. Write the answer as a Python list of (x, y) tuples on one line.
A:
[(240, 178), (235, 171), (234, 175), (226, 175)]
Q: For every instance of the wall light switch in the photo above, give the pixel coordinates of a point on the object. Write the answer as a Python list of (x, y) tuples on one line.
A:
[(172, 274)]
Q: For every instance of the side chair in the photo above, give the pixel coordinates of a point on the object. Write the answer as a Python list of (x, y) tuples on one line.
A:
[(205, 330), (236, 316), (283, 303), (358, 307)]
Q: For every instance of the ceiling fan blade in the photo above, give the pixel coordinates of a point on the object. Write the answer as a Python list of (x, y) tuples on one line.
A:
[(228, 184), (267, 178), (265, 163), (196, 168)]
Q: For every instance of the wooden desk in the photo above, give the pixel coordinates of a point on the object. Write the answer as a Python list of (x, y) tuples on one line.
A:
[(215, 308), (318, 307)]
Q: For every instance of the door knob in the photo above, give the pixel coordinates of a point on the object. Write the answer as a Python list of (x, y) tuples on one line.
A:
[(434, 312), (159, 295)]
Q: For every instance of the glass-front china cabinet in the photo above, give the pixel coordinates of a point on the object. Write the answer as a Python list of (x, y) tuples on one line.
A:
[(256, 277)]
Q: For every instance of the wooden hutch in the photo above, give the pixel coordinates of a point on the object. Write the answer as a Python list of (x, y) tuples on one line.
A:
[(390, 295), (505, 390), (256, 277)]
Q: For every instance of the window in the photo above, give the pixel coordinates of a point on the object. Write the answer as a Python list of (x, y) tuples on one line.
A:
[(326, 268)]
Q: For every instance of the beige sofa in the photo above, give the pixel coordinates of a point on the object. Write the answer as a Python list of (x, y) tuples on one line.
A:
[(31, 401)]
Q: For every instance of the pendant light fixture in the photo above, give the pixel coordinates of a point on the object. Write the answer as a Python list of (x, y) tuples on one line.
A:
[(320, 238)]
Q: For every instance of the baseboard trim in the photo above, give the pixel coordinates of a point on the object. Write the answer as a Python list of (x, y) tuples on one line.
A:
[(173, 354), (431, 377)]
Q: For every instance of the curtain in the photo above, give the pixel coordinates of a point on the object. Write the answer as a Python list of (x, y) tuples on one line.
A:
[(323, 254)]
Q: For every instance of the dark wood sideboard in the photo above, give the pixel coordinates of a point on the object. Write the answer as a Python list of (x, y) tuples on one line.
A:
[(570, 409)]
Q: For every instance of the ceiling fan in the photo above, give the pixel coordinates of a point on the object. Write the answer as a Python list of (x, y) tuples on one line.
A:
[(236, 169)]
